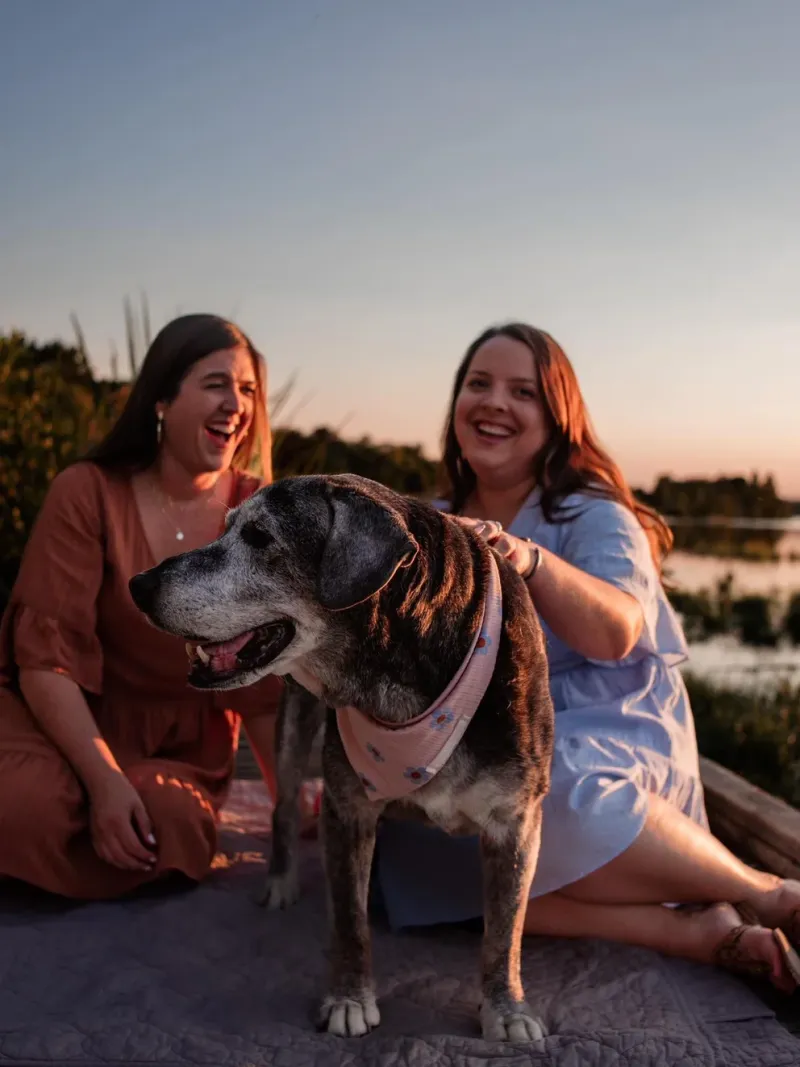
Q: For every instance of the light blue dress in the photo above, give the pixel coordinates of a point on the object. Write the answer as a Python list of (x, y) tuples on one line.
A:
[(623, 729)]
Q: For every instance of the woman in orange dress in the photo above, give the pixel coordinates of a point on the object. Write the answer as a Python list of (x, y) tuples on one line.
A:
[(112, 770)]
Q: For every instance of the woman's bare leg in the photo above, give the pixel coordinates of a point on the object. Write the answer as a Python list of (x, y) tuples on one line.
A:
[(714, 935), (674, 859)]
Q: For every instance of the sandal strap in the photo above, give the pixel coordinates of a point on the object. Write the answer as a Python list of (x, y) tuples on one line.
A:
[(790, 926), (729, 954)]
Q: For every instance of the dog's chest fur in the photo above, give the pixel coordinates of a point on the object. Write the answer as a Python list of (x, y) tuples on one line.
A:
[(463, 800), (484, 807)]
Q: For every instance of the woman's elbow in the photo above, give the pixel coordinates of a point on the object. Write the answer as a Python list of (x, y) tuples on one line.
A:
[(627, 641), (618, 636), (624, 632)]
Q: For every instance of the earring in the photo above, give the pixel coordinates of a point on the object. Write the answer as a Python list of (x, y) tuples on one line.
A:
[(159, 426)]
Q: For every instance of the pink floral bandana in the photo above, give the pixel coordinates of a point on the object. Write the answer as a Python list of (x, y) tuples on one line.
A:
[(392, 761)]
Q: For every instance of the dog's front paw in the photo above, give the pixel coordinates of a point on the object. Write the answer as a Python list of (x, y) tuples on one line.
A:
[(517, 1024), (349, 1016), (279, 891)]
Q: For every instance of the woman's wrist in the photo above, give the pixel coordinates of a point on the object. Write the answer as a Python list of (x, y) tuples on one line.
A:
[(98, 769), (534, 560)]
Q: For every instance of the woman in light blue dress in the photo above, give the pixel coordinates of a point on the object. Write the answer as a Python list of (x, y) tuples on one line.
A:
[(624, 829)]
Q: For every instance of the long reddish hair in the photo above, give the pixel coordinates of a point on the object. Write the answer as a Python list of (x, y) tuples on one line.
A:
[(573, 461)]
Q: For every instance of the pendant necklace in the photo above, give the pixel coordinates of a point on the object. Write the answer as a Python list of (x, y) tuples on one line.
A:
[(179, 534)]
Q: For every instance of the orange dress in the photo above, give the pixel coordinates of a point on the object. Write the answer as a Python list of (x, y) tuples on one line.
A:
[(70, 611)]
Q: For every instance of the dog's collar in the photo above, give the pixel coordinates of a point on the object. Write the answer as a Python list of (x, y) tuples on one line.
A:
[(393, 759)]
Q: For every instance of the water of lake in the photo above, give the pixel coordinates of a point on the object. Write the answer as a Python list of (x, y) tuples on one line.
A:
[(764, 558), (771, 567), (725, 661)]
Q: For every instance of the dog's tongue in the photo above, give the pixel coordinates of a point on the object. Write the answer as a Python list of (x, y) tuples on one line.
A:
[(223, 655)]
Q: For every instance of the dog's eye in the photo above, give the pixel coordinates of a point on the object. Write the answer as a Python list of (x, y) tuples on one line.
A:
[(255, 536)]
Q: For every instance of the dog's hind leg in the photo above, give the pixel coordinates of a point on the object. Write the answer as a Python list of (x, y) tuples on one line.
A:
[(301, 718), (509, 862), (350, 1008)]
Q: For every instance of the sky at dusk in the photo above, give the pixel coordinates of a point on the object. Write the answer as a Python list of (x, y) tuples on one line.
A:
[(364, 186)]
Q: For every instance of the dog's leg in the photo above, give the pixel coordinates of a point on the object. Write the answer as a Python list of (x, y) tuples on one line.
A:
[(350, 1008), (300, 719), (509, 863)]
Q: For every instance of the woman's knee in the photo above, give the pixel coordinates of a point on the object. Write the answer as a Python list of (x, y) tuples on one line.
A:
[(183, 817), (42, 802), (168, 790)]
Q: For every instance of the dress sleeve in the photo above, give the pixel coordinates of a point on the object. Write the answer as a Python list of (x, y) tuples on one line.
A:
[(50, 621), (606, 540)]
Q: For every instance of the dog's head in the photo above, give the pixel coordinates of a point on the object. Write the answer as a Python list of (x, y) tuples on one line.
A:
[(259, 598)]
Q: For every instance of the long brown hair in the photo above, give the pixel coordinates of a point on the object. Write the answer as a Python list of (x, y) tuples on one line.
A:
[(132, 442), (573, 461)]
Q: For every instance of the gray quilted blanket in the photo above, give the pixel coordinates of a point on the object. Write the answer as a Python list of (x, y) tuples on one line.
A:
[(204, 977)]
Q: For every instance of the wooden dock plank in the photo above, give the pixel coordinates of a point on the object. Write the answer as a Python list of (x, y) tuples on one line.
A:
[(752, 822)]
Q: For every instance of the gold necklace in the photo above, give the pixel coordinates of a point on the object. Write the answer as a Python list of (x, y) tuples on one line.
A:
[(179, 534)]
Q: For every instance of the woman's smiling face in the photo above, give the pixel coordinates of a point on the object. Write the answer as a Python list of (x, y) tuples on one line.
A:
[(499, 420), (213, 411)]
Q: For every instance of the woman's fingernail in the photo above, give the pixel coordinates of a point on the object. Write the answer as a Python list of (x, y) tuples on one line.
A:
[(150, 839)]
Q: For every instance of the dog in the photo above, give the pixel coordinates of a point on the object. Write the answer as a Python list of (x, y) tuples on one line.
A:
[(378, 605)]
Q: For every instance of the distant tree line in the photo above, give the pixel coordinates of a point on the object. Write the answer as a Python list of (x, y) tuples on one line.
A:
[(713, 517), (52, 407), (401, 467), (724, 498)]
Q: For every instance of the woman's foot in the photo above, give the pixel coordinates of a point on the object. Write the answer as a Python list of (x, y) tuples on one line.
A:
[(779, 908), (725, 940)]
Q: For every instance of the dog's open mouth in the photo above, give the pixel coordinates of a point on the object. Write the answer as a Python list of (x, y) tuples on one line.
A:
[(216, 665)]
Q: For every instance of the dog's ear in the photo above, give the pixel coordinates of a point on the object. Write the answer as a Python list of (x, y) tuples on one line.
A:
[(367, 543)]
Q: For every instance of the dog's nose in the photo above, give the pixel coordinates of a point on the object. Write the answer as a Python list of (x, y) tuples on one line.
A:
[(143, 589)]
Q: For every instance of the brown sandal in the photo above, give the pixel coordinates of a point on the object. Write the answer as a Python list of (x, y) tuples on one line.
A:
[(730, 955), (789, 954)]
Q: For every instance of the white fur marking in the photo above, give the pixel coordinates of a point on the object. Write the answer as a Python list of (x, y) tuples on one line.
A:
[(280, 891)]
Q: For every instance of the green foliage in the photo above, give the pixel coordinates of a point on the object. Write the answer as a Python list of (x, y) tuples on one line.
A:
[(758, 621), (401, 467), (757, 545), (730, 498), (753, 619), (700, 614), (791, 623), (730, 518), (754, 733), (51, 409)]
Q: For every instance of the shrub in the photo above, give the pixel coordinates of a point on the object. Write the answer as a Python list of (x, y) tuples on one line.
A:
[(752, 618), (51, 409), (755, 733), (791, 623)]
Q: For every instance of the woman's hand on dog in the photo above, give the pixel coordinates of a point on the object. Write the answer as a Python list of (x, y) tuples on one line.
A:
[(517, 552)]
